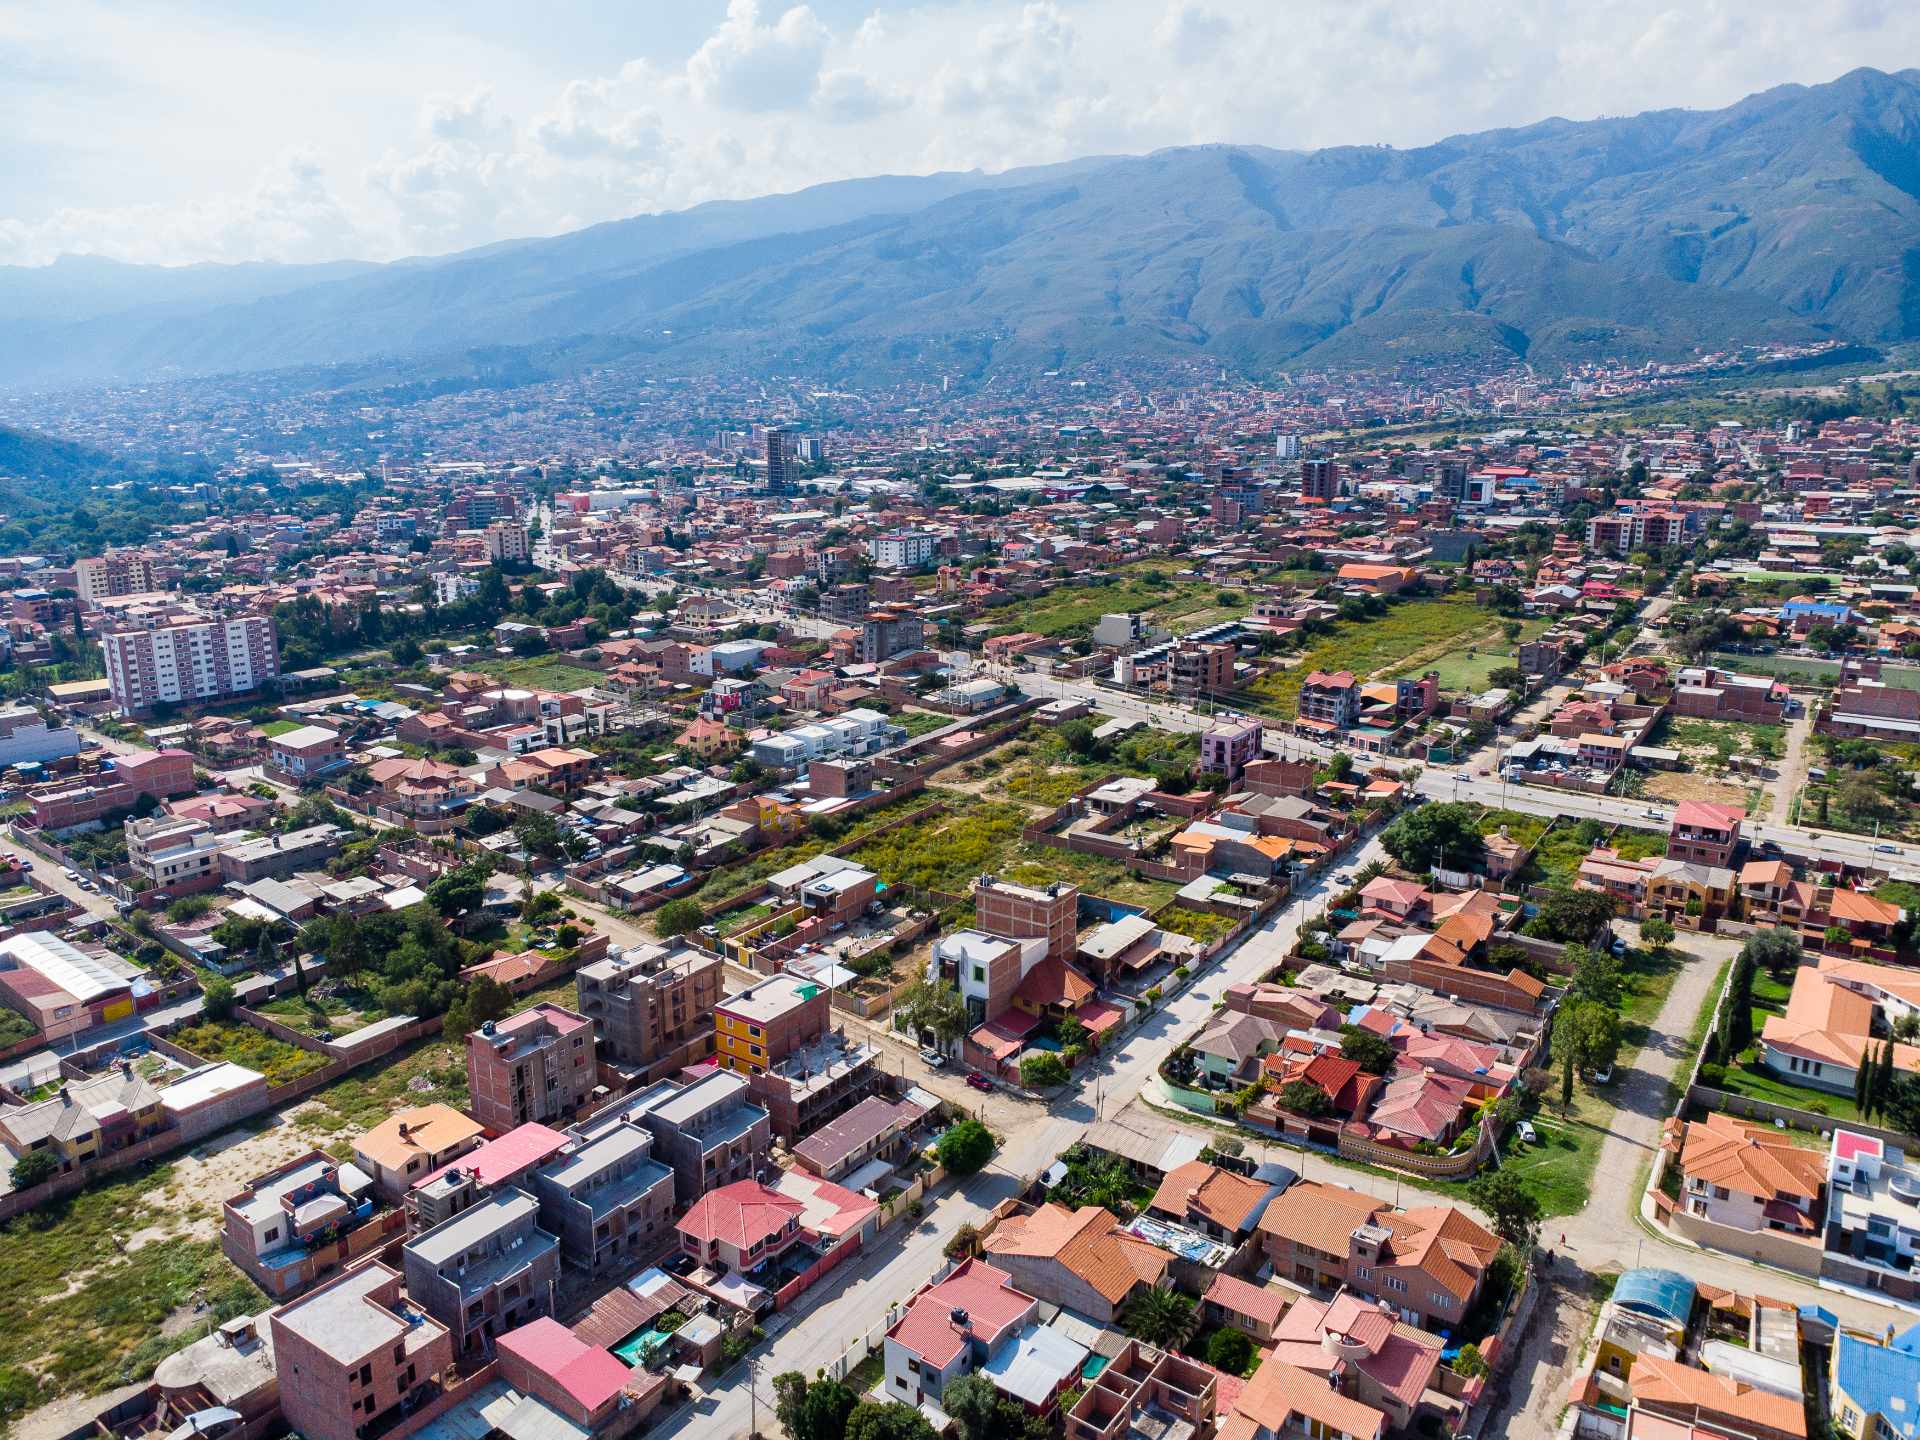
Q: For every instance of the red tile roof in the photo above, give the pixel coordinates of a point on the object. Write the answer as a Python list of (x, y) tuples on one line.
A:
[(984, 1291), (588, 1374), (741, 1214)]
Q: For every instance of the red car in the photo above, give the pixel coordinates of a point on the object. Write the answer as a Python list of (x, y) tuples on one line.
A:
[(978, 1081)]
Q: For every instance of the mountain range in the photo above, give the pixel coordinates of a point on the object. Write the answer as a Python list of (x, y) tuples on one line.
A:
[(1791, 215)]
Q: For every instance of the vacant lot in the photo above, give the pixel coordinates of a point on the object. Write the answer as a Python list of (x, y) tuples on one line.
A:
[(1150, 588), (545, 672), (1415, 635), (243, 1045)]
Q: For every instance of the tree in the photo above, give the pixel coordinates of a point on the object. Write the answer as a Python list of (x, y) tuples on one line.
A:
[(983, 1413), (461, 889), (1042, 1070), (965, 1148), (1436, 834), (1596, 975), (677, 917), (1303, 1097), (1374, 1053), (1471, 1363), (1340, 767), (1572, 916), (1591, 1033), (1657, 932), (1229, 1350), (484, 1000), (1514, 1209), (1776, 950), (218, 995), (889, 1421), (1159, 1316), (934, 1007), (539, 833), (36, 1167)]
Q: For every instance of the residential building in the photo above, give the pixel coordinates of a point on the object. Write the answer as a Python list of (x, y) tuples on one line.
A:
[(538, 1065), (1023, 912), (172, 655), (306, 753), (506, 542), (175, 855), (569, 1387), (86, 1119), (460, 1184), (1080, 1259), (1283, 1400), (1750, 1177), (710, 1132), (1871, 1386), (875, 1133), (26, 738), (1329, 702), (1872, 1233), (62, 988), (278, 855), (1360, 1349), (1704, 833), (653, 1007), (1320, 480), (607, 1198), (986, 969), (1716, 1404), (1229, 745), (410, 1143), (1218, 1203), (118, 572), (1429, 1264), (930, 1345), (761, 1025), (488, 1270), (299, 1222), (902, 549), (353, 1354)]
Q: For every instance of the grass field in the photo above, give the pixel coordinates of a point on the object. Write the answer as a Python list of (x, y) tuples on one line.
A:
[(273, 729), (1469, 669), (1421, 632), (1559, 1169), (545, 672), (95, 1286), (1149, 587)]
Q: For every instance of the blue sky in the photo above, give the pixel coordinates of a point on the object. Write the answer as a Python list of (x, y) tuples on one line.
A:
[(173, 133)]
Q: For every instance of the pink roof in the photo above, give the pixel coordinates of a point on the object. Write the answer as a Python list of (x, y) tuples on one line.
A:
[(589, 1374), (498, 1160), (984, 1291), (741, 1215), (1851, 1145), (1705, 812)]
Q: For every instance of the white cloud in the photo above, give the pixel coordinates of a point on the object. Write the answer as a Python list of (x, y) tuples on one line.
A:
[(745, 65), (124, 116)]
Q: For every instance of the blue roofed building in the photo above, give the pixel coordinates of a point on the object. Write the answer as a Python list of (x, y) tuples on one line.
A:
[(1876, 1388), (1665, 1295)]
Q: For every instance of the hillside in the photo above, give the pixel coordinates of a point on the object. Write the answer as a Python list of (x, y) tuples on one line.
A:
[(1791, 215)]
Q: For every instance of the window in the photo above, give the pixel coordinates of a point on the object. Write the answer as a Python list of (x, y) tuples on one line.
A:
[(273, 1235)]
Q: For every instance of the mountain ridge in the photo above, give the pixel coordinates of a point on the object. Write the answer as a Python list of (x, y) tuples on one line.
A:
[(1791, 215)]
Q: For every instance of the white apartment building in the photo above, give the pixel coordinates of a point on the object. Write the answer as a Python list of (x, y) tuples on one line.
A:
[(507, 540), (451, 589), (902, 549), (25, 737), (118, 572), (170, 655)]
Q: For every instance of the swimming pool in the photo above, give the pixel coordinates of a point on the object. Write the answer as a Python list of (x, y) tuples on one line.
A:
[(634, 1349)]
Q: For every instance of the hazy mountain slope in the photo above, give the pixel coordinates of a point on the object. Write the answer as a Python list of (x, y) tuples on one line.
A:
[(1793, 214)]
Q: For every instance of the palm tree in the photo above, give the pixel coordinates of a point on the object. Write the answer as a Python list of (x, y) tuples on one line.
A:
[(1159, 1316), (1372, 870)]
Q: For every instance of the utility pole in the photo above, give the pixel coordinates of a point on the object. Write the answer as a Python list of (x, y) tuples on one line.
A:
[(753, 1391)]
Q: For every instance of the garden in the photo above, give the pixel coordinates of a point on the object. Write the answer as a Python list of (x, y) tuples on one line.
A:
[(238, 1043)]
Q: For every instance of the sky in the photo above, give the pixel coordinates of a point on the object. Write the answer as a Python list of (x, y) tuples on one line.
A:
[(222, 131)]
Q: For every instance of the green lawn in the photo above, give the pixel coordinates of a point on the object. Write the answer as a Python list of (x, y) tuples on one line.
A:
[(1559, 1169), (919, 722), (1521, 829), (273, 729), (1426, 630), (1749, 1078), (1094, 874), (1638, 844), (1201, 925), (544, 672)]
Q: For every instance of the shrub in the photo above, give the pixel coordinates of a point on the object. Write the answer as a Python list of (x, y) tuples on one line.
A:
[(1042, 1070), (966, 1147)]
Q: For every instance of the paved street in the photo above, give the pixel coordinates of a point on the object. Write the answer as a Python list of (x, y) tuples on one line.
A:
[(856, 1299)]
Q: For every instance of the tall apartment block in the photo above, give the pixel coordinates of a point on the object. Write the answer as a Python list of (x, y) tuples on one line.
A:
[(118, 572), (653, 1008), (1027, 912), (540, 1065), (1319, 479), (779, 480), (172, 654), (354, 1354)]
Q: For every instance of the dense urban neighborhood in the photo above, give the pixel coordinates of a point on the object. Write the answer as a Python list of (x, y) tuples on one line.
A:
[(1190, 923)]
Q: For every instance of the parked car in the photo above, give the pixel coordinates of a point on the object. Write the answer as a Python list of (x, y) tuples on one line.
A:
[(977, 1081), (1886, 849), (26, 864), (934, 1058), (70, 872), (1524, 1131), (1601, 1077)]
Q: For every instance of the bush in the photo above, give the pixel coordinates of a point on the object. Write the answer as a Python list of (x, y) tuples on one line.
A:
[(966, 1147), (1229, 1350), (35, 1168), (677, 917), (220, 998), (1042, 1070)]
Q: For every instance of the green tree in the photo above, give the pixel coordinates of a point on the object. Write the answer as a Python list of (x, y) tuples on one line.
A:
[(965, 1147), (218, 995), (1303, 1097), (1591, 1033), (36, 1167), (677, 917), (1436, 834), (1160, 1316), (484, 1000), (1656, 932), (461, 889), (1513, 1209), (1374, 1053), (1229, 1350), (539, 833), (1043, 1070), (1776, 950), (890, 1421), (934, 1007), (1471, 1363), (1572, 916)]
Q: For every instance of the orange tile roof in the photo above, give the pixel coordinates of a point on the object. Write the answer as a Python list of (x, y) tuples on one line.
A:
[(431, 1130), (1202, 1189), (1750, 1159), (1669, 1384), (1088, 1242), (1322, 1216), (1281, 1396)]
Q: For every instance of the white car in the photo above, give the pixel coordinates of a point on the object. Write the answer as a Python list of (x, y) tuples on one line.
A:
[(1524, 1131)]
